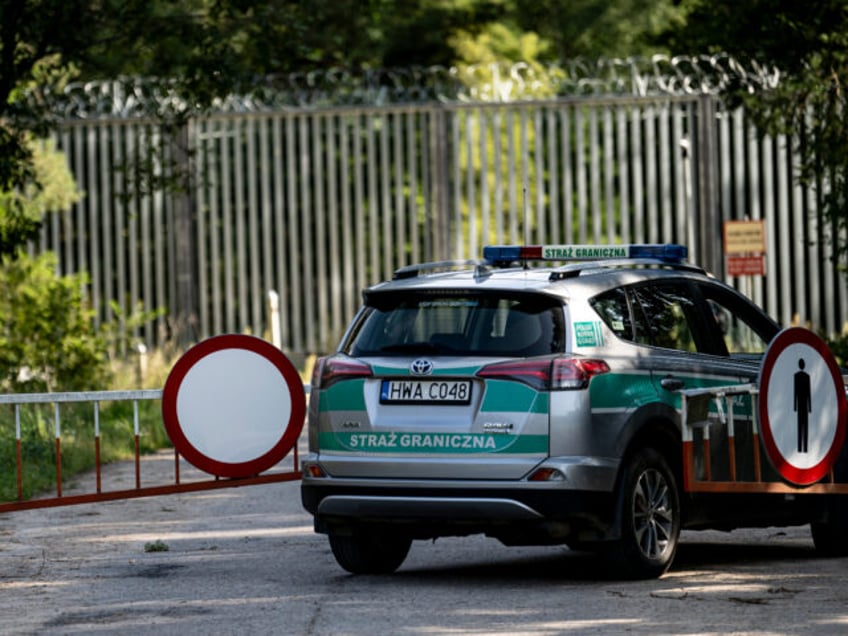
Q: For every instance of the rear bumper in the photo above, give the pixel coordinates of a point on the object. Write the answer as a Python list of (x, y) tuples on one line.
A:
[(422, 508), (577, 501), (531, 514)]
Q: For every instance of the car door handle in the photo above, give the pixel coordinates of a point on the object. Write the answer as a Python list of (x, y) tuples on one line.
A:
[(670, 383)]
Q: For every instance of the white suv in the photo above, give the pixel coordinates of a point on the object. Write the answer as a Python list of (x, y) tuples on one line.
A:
[(536, 405)]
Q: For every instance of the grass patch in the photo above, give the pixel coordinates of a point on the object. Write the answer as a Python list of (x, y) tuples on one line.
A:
[(156, 546)]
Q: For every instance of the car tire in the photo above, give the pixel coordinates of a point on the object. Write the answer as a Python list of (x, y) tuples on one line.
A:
[(369, 552), (649, 514), (831, 535)]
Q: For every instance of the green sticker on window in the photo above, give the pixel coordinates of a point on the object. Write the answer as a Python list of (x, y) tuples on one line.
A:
[(588, 334)]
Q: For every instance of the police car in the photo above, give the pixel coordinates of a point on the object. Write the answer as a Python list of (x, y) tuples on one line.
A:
[(531, 396)]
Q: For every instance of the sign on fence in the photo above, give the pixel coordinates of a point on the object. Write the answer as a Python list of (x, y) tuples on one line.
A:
[(745, 248)]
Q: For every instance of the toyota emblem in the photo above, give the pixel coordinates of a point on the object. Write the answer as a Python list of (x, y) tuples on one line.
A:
[(422, 366)]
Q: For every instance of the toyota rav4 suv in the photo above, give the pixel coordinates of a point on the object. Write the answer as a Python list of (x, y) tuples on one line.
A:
[(534, 404)]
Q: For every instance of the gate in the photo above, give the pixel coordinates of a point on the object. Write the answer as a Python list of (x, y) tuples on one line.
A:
[(102, 492), (710, 421), (717, 424)]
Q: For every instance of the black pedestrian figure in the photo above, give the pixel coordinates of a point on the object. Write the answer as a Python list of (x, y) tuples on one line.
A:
[(803, 405)]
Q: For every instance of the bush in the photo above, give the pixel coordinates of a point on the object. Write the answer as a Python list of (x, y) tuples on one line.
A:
[(48, 341)]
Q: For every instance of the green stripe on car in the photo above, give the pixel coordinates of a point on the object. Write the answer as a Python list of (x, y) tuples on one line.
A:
[(453, 443), (343, 396), (504, 395)]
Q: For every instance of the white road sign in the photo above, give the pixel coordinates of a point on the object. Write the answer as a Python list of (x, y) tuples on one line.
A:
[(802, 406), (233, 405)]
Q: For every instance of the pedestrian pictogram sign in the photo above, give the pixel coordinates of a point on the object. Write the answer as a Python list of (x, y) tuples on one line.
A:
[(802, 406), (233, 405)]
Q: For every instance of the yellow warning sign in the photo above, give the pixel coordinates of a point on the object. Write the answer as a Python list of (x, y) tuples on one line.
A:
[(744, 237)]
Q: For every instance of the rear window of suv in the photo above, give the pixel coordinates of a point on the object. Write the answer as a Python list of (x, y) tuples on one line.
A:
[(458, 323)]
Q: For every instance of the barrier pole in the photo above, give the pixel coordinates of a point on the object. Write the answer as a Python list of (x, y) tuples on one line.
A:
[(18, 458), (731, 437), (58, 451), (97, 444), (755, 426), (137, 446)]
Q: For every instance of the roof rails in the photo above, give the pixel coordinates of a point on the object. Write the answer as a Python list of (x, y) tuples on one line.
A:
[(412, 271), (572, 270), (581, 258)]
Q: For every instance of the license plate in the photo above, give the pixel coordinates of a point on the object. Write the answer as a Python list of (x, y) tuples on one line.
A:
[(425, 392)]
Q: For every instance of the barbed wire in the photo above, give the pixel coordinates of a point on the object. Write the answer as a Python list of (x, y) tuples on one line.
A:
[(636, 76)]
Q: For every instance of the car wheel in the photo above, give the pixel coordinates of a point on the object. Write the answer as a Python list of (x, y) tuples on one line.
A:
[(831, 535), (370, 552), (649, 513)]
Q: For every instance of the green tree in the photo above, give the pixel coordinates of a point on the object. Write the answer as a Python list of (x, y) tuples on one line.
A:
[(205, 49), (808, 43), (202, 50), (597, 28), (44, 43), (47, 336)]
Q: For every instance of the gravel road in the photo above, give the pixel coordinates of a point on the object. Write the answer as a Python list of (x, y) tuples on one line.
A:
[(245, 561)]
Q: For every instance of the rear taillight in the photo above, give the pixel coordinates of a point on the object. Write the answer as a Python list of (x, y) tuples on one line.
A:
[(330, 370), (547, 373), (575, 373)]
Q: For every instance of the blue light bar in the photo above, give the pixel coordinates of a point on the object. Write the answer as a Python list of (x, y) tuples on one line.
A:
[(510, 253), (666, 252)]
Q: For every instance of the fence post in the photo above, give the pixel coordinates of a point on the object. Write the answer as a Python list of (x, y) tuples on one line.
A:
[(440, 180), (185, 312), (707, 213)]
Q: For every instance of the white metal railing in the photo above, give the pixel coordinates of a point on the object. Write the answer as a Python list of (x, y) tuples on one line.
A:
[(94, 397), (100, 493), (696, 414)]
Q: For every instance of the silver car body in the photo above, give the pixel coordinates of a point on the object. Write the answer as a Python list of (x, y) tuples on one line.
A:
[(525, 464)]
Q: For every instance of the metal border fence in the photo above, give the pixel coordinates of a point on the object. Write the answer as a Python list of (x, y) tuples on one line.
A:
[(317, 203)]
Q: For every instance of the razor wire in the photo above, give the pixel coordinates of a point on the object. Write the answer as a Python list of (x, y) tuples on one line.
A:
[(658, 75)]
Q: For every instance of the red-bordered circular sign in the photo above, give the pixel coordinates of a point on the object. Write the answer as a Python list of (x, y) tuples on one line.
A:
[(233, 405), (802, 406)]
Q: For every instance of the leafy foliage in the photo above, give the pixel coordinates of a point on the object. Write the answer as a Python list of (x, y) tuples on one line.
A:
[(207, 49), (47, 337), (808, 41), (22, 208), (597, 28), (838, 345)]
